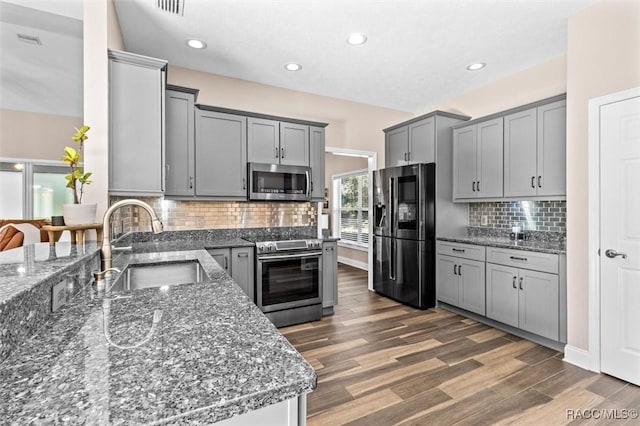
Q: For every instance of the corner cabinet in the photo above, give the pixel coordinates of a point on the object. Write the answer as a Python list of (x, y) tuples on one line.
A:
[(477, 160), (275, 142), (220, 155), (329, 276), (136, 124), (316, 161), (535, 151), (180, 141)]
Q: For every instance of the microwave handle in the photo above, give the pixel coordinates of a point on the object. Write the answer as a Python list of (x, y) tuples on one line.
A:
[(306, 173)]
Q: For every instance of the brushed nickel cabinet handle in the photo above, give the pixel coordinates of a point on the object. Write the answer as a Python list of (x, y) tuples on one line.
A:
[(518, 258), (243, 254), (514, 282), (473, 186), (277, 152), (539, 181), (521, 279), (460, 270), (454, 270), (458, 250), (533, 181), (478, 186), (190, 182)]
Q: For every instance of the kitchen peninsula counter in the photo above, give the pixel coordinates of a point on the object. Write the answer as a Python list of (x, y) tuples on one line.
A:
[(212, 355), (553, 247)]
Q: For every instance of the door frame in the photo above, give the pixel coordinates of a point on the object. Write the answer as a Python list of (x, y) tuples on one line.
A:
[(594, 219), (372, 164)]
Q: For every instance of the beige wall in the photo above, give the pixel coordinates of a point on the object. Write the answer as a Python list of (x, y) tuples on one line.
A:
[(32, 135), (336, 164), (351, 124), (603, 57)]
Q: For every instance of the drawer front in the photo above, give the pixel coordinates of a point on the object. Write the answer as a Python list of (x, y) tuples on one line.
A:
[(466, 251), (544, 262)]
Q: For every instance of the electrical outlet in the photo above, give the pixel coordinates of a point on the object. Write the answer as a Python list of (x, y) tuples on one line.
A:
[(59, 295), (484, 220)]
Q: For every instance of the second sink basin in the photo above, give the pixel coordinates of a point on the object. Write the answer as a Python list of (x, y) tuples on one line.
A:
[(147, 275)]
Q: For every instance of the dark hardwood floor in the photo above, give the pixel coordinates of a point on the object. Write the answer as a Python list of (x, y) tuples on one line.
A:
[(382, 363)]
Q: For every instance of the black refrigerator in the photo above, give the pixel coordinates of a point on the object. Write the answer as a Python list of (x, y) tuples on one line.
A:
[(404, 234)]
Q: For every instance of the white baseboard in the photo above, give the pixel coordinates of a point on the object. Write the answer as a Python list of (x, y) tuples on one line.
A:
[(578, 357), (354, 263)]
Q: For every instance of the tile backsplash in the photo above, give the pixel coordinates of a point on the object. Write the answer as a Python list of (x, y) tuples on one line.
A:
[(183, 215), (530, 215)]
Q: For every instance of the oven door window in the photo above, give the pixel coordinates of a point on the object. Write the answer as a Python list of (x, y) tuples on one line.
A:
[(289, 281)]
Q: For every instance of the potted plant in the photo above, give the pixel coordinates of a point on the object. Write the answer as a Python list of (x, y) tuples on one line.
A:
[(77, 213)]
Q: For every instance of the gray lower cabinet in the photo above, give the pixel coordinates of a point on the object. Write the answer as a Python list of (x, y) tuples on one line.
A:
[(477, 160), (329, 276), (238, 263), (136, 124), (316, 161), (524, 298), (180, 141), (277, 142), (535, 151), (461, 281), (242, 269), (221, 155)]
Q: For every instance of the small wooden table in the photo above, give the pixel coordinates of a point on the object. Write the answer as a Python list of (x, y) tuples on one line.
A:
[(77, 232)]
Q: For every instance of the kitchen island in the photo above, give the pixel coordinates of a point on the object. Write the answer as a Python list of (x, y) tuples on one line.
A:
[(211, 356)]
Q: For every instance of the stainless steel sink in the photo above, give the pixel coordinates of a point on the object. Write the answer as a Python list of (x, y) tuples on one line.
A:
[(167, 273)]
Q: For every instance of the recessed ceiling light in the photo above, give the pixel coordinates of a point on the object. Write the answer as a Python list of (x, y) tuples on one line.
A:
[(196, 44), (476, 66), (292, 66), (356, 39)]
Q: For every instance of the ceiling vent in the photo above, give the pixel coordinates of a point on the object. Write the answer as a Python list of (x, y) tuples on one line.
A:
[(29, 39), (172, 6)]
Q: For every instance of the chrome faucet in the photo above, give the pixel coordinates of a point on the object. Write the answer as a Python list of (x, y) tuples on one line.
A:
[(156, 227)]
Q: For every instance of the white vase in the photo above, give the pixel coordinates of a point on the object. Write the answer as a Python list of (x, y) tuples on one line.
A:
[(79, 214)]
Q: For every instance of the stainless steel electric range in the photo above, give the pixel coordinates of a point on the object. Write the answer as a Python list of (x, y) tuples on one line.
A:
[(289, 279)]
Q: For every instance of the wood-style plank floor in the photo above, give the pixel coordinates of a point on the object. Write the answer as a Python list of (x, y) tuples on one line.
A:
[(382, 363)]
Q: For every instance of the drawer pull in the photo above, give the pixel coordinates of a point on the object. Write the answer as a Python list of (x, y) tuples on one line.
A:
[(243, 254), (518, 258), (458, 250)]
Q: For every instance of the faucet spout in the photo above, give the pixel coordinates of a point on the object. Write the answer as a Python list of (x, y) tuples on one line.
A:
[(105, 252)]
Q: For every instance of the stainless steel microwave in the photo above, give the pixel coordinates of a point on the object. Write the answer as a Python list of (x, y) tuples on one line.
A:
[(278, 182)]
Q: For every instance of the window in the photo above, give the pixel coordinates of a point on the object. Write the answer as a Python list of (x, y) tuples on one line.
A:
[(351, 214), (33, 189)]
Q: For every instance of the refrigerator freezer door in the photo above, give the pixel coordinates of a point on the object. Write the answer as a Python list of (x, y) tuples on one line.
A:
[(383, 263)]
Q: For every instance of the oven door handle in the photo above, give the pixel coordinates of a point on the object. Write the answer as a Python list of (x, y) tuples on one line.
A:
[(290, 256)]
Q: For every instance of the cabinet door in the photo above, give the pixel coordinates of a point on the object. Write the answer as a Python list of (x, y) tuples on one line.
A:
[(520, 146), (136, 129), (294, 144), (396, 145), (221, 155), (464, 162), (329, 274), (552, 140), (471, 276), (447, 279), (221, 256), (242, 269), (263, 141), (180, 143), (502, 293), (316, 161), (489, 156), (422, 139), (538, 305)]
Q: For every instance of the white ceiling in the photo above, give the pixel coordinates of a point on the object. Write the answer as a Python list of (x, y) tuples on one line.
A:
[(415, 56)]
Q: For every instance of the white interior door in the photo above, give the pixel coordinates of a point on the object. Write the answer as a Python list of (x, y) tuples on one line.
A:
[(620, 239)]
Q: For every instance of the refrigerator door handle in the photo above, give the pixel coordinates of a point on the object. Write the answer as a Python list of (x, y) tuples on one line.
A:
[(392, 203), (392, 261)]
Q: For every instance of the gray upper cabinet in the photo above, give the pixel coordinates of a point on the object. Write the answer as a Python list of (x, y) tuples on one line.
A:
[(136, 124), (180, 142), (275, 142), (294, 144), (316, 161), (477, 165), (263, 142), (396, 144), (535, 151), (221, 155), (410, 144)]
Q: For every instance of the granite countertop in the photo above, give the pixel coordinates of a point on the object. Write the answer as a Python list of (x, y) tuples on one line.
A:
[(553, 247), (212, 355)]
